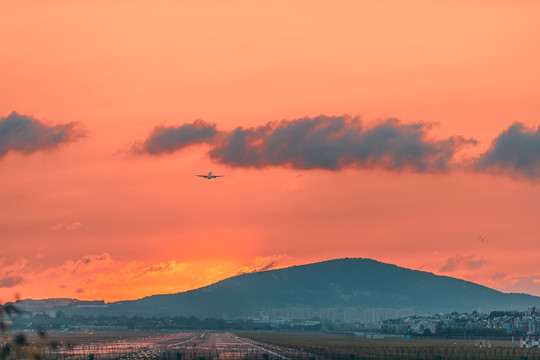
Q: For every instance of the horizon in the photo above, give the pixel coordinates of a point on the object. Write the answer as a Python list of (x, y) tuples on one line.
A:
[(406, 132), (277, 268)]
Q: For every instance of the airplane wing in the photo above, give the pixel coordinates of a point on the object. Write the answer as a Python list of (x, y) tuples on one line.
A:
[(202, 175), (218, 175)]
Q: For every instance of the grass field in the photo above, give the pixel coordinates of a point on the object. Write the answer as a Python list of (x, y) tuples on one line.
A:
[(348, 347)]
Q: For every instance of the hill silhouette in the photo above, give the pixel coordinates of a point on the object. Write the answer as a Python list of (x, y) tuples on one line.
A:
[(338, 284)]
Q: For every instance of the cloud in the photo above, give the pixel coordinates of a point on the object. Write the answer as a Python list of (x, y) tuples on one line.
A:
[(517, 282), (169, 267), (27, 135), (11, 281), (66, 226), (515, 152), (103, 269), (336, 142), (16, 267), (469, 263), (472, 263), (263, 263), (86, 274), (450, 265), (322, 142), (529, 284), (87, 263), (501, 279), (165, 140)]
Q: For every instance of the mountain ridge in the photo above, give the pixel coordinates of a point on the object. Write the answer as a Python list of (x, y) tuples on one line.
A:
[(338, 283), (333, 285)]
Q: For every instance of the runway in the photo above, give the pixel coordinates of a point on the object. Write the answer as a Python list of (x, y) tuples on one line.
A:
[(225, 345), (181, 346)]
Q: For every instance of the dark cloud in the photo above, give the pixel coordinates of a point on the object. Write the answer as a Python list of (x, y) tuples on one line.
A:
[(335, 142), (80, 291), (11, 281), (516, 152), (169, 139), (25, 134), (323, 142)]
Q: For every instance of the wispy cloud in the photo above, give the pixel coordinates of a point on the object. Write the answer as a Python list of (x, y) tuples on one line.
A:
[(11, 281), (169, 267), (263, 263), (25, 134), (102, 268), (87, 274), (66, 226), (14, 268), (462, 262), (87, 263), (498, 278), (525, 283), (322, 142)]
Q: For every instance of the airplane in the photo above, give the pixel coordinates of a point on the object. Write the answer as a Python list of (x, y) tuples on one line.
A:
[(209, 176)]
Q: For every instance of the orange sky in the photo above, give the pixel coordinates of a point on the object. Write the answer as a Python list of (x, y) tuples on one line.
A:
[(92, 219)]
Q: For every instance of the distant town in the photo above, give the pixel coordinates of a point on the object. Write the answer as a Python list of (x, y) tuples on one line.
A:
[(54, 314)]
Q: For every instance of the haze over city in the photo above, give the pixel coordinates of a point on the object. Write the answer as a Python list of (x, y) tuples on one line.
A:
[(405, 132)]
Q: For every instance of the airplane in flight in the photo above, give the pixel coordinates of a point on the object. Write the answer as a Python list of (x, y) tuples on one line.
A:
[(209, 176)]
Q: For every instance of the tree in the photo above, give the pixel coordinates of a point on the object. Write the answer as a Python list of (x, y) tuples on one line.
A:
[(6, 312), (18, 346)]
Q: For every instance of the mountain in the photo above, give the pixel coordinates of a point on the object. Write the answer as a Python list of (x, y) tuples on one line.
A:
[(334, 285), (52, 305), (30, 304)]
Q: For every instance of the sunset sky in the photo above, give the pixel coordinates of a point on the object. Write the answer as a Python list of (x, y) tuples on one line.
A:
[(402, 131)]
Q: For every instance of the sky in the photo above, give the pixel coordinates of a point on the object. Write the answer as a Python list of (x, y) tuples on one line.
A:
[(401, 131)]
